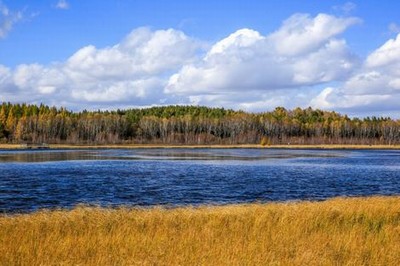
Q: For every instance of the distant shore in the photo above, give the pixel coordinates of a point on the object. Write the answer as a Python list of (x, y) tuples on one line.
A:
[(234, 146)]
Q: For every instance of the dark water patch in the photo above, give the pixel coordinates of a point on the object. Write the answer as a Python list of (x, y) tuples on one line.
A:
[(52, 179)]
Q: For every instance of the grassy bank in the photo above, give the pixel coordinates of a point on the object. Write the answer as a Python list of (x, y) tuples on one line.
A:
[(357, 231), (238, 146)]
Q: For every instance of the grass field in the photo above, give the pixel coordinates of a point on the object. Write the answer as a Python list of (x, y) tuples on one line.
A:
[(354, 231)]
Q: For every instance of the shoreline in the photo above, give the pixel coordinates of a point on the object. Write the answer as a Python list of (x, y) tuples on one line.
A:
[(174, 146), (200, 207)]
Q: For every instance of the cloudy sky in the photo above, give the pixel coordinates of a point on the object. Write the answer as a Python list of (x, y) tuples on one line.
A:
[(251, 55)]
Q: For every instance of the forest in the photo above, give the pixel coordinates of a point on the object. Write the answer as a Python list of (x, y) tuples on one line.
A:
[(26, 123)]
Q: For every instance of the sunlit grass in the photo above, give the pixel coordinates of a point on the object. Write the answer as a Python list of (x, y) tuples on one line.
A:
[(356, 231)]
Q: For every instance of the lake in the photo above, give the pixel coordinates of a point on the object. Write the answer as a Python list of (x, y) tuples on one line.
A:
[(36, 179)]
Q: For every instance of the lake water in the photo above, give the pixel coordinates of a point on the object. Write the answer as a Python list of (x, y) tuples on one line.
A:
[(31, 180)]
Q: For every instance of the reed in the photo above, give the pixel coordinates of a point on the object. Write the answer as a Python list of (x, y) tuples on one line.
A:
[(341, 231)]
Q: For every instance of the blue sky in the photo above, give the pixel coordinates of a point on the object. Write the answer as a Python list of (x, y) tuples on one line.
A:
[(251, 55)]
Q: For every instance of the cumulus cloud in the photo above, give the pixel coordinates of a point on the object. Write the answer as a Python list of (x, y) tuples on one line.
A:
[(304, 62), (132, 71), (385, 56), (302, 34), (337, 99), (246, 69), (141, 53), (255, 100), (376, 85), (304, 51), (7, 19)]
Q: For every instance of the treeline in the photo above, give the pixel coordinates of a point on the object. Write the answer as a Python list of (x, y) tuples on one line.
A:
[(23, 123)]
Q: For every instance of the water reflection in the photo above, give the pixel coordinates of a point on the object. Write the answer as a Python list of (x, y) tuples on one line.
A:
[(46, 156), (160, 154)]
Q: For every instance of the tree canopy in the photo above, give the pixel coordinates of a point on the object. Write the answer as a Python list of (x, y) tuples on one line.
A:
[(20, 123)]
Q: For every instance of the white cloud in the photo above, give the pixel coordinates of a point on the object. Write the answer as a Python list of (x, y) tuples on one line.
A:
[(255, 100), (244, 70), (302, 34), (132, 71), (304, 52), (375, 86), (141, 53), (238, 40), (7, 19), (386, 55), (304, 62), (139, 91), (336, 99), (62, 4)]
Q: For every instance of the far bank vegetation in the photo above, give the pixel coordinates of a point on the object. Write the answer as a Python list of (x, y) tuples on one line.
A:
[(191, 125)]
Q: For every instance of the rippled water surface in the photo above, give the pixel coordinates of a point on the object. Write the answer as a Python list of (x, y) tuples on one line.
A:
[(31, 180)]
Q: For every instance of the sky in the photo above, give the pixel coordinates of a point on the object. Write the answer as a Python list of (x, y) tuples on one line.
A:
[(250, 55)]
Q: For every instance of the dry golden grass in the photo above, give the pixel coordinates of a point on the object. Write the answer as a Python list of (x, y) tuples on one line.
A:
[(356, 231), (10, 146)]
